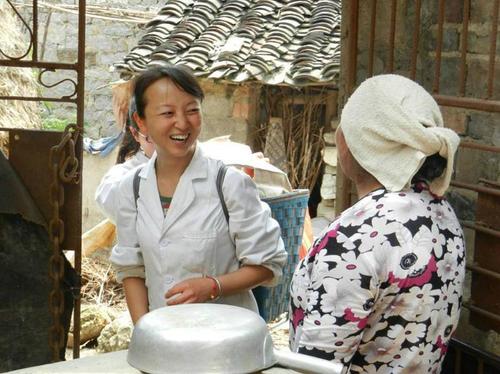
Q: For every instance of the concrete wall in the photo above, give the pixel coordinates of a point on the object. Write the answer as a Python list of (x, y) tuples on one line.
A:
[(472, 125)]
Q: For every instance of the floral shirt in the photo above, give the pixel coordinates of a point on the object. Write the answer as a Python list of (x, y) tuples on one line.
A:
[(381, 290)]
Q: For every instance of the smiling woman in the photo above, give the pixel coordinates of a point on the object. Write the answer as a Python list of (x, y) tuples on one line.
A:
[(174, 243)]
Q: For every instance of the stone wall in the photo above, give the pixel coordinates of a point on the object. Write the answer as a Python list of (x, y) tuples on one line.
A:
[(107, 41), (472, 125)]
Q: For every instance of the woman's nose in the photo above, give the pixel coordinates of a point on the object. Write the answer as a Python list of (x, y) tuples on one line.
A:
[(181, 121)]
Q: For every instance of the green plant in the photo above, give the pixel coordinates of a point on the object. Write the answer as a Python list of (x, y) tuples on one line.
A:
[(55, 124)]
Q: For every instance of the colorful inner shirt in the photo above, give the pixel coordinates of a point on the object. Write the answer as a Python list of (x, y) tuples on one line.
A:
[(165, 204), (381, 290)]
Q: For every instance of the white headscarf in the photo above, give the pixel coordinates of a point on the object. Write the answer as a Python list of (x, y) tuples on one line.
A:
[(391, 124)]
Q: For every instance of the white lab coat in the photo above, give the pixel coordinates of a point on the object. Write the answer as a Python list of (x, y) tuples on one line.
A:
[(106, 194), (193, 239)]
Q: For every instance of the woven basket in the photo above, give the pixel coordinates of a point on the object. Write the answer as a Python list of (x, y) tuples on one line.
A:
[(289, 210)]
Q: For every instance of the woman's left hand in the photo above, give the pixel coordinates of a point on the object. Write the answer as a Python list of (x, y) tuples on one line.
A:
[(194, 290)]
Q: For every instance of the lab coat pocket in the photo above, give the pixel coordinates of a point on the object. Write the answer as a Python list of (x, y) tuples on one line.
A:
[(197, 249)]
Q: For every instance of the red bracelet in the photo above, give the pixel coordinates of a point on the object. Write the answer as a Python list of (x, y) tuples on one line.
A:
[(216, 288)]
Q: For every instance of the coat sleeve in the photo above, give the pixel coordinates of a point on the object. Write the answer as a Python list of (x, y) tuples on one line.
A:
[(126, 256), (256, 234), (106, 194)]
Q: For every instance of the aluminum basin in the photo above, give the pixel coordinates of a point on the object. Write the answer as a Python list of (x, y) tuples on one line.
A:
[(201, 338)]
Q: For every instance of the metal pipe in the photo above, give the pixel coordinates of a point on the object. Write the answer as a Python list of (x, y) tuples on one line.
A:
[(458, 360), (481, 228), (468, 103), (439, 47), (492, 184), (482, 312), (80, 106), (463, 49), (343, 197), (38, 64), (476, 188), (371, 46), (53, 99), (392, 35), (493, 46), (480, 270), (34, 54), (353, 46), (416, 40), (482, 147), (480, 366), (307, 364)]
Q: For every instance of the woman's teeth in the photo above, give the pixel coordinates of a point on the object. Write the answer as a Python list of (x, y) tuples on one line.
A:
[(179, 138)]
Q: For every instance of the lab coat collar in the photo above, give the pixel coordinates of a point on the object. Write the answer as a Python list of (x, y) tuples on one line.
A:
[(184, 194)]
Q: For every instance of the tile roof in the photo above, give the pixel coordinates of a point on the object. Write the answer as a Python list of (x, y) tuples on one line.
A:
[(292, 42)]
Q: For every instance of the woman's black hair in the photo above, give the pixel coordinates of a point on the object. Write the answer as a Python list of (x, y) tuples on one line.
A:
[(432, 168), (180, 75), (129, 146)]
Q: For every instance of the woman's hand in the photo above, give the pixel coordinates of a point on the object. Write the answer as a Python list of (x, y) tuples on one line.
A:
[(194, 290)]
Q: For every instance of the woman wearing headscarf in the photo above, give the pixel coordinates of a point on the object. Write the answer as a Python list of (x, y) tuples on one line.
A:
[(380, 290)]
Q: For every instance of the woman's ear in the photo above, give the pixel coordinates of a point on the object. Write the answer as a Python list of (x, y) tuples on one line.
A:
[(134, 133), (140, 123)]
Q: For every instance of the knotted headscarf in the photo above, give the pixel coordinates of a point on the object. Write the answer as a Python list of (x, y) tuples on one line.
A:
[(391, 124)]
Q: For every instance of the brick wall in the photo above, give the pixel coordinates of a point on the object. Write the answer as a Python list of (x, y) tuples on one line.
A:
[(471, 125)]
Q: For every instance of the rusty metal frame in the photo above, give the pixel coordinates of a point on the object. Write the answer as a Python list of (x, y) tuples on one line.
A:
[(76, 97), (351, 14)]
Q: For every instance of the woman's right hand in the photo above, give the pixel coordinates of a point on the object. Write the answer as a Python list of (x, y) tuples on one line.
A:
[(193, 290)]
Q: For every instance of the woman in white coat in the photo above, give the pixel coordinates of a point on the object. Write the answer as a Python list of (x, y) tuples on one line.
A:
[(176, 233), (135, 149)]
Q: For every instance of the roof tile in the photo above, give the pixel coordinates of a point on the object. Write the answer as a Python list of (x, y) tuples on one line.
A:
[(275, 42)]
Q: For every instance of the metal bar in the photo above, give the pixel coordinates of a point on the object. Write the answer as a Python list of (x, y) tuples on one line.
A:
[(470, 350), (493, 184), (34, 55), (493, 46), (458, 360), (481, 228), (468, 103), (463, 49), (482, 147), (38, 64), (80, 106), (352, 8), (353, 46), (53, 99), (392, 35), (481, 311), (371, 46), (476, 188), (416, 39), (439, 47), (480, 366), (478, 269)]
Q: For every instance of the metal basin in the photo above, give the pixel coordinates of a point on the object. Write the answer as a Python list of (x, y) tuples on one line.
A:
[(201, 338), (211, 338)]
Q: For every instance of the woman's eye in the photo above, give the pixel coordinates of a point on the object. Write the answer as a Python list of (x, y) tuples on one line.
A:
[(193, 110), (168, 114)]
